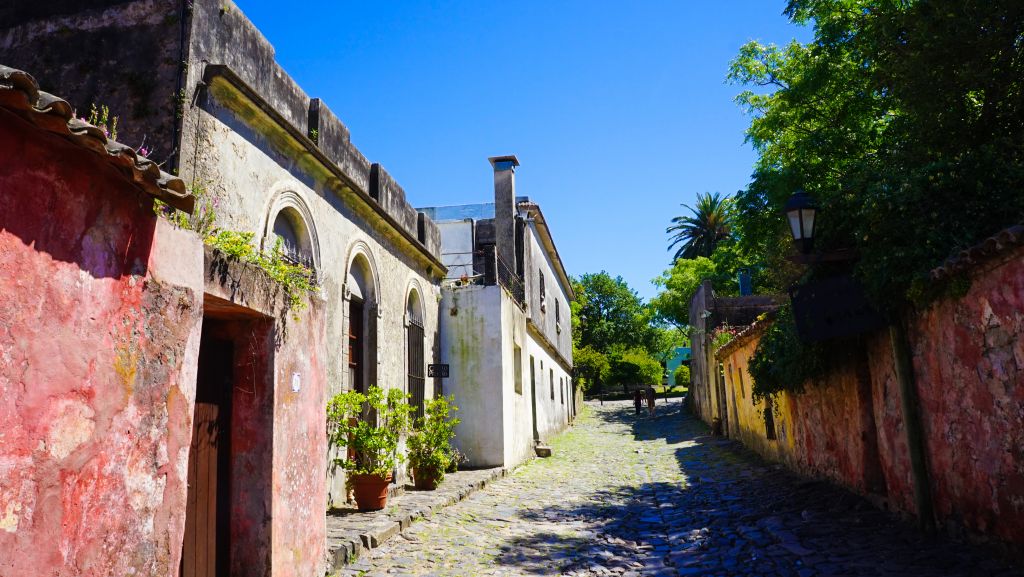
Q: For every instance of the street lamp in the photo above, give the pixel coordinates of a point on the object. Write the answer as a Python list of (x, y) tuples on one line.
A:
[(801, 210)]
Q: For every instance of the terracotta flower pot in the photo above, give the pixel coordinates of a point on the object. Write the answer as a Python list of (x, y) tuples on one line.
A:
[(371, 491), (426, 478)]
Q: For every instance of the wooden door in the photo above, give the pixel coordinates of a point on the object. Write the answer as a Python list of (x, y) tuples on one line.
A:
[(205, 549)]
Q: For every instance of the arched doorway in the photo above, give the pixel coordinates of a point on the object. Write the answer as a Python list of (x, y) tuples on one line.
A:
[(414, 352)]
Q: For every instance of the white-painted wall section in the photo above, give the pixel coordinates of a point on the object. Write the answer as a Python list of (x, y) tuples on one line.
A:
[(473, 344)]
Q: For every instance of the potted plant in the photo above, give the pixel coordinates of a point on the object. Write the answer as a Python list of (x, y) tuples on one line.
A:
[(369, 425), (430, 450)]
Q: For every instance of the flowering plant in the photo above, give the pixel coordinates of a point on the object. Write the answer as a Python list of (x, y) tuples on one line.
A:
[(722, 335)]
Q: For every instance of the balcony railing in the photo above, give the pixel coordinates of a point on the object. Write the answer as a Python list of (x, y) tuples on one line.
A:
[(497, 271), (489, 270)]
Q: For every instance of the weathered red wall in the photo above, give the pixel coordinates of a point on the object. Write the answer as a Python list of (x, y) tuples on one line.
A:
[(827, 439), (96, 417), (892, 438), (279, 437), (969, 362)]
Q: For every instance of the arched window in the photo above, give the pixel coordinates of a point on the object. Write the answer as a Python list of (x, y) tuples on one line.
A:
[(414, 352), (291, 231), (362, 326)]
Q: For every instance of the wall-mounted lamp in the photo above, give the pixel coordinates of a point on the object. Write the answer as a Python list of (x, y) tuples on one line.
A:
[(801, 212)]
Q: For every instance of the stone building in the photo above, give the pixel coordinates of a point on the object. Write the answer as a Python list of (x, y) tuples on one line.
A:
[(505, 324), (210, 99), (197, 85)]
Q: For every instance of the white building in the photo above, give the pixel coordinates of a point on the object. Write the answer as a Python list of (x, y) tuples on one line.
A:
[(504, 324)]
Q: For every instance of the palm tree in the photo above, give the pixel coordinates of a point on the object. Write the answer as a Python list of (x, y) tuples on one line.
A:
[(699, 234)]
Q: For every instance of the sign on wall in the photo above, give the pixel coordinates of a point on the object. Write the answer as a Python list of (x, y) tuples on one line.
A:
[(437, 371)]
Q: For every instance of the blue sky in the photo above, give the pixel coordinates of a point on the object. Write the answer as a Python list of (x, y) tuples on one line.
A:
[(618, 112)]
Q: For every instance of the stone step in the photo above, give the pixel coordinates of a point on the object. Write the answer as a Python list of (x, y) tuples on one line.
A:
[(351, 533)]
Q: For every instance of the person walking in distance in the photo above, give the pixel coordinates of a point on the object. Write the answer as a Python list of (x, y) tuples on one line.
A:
[(637, 400), (650, 399)]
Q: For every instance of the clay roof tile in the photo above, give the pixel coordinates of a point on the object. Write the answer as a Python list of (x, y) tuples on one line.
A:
[(20, 94)]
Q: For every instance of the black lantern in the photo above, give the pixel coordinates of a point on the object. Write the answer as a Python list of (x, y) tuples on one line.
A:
[(801, 210)]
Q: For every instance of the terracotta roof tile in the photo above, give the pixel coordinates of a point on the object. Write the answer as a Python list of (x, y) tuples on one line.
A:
[(985, 250), (20, 94)]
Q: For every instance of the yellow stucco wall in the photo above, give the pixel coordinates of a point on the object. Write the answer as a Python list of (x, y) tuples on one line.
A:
[(746, 420)]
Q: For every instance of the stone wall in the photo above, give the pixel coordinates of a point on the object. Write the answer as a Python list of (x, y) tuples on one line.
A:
[(127, 55), (968, 361)]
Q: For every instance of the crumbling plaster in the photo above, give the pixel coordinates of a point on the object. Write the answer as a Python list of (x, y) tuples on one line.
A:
[(98, 342)]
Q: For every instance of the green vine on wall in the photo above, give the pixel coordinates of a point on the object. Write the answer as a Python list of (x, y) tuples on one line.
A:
[(203, 216), (783, 362), (296, 279)]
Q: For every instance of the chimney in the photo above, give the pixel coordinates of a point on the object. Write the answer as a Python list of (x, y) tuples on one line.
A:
[(743, 279), (505, 208)]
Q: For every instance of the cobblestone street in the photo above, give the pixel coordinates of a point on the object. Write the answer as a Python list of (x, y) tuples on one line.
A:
[(626, 495)]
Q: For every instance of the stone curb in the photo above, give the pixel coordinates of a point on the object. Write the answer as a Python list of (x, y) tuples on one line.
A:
[(351, 535)]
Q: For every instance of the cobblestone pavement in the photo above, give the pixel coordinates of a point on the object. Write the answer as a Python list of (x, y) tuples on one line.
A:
[(628, 496)]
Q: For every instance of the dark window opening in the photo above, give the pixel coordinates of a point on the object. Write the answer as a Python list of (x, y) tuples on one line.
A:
[(356, 344), (542, 295), (517, 358)]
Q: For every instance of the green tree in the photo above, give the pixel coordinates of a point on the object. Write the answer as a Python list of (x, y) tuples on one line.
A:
[(634, 367), (902, 119), (591, 367), (699, 234), (681, 376), (679, 283), (611, 314)]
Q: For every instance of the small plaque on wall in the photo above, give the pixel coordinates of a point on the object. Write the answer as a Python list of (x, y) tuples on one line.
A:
[(437, 371)]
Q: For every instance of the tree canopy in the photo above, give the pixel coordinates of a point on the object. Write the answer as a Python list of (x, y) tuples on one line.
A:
[(616, 336), (904, 120)]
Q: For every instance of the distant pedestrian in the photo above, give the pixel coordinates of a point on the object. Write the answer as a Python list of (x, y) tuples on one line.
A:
[(650, 399), (638, 400)]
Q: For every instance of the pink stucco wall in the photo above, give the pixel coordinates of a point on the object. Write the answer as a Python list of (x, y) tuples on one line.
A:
[(101, 312), (93, 350), (279, 437), (300, 449)]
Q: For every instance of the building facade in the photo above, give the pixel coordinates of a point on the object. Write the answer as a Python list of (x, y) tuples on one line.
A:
[(505, 324), (197, 85)]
